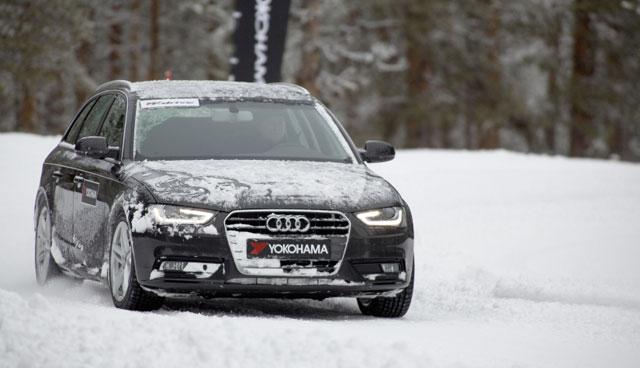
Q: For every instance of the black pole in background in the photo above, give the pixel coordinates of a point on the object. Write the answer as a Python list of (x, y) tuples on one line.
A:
[(261, 30)]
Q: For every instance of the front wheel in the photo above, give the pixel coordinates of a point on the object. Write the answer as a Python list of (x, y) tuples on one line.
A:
[(394, 307), (125, 290)]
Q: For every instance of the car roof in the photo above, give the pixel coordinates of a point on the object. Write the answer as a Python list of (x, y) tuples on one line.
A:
[(217, 90)]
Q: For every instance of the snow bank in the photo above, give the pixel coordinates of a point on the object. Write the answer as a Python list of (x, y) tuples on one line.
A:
[(522, 260)]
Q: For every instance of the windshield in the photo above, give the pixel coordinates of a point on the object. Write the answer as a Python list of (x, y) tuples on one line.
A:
[(173, 129)]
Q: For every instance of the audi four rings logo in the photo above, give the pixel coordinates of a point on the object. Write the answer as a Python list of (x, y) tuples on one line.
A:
[(288, 223)]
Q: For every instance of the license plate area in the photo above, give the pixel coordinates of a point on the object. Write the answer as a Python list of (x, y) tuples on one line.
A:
[(289, 249)]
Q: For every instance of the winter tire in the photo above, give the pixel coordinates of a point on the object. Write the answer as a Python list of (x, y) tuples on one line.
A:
[(46, 267), (388, 307), (126, 292)]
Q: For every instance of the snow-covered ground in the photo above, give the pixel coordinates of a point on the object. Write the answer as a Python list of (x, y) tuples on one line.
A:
[(522, 261)]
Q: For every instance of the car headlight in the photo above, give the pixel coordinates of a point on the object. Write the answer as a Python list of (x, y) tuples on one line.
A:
[(389, 216), (173, 215)]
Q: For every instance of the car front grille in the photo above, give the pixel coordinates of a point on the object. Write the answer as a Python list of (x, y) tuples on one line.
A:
[(252, 224), (321, 223)]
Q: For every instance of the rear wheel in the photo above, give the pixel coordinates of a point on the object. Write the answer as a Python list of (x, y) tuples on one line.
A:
[(125, 290), (394, 307), (46, 267)]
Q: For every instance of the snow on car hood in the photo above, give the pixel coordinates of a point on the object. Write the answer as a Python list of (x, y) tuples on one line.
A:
[(234, 184)]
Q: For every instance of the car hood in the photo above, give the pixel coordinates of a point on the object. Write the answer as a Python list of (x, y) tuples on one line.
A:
[(236, 184)]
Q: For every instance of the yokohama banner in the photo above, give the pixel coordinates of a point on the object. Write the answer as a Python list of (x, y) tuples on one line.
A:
[(261, 29)]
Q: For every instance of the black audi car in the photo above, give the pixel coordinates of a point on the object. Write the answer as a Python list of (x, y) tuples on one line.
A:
[(221, 189)]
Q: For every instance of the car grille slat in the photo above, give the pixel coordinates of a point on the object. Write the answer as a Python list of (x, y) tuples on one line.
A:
[(240, 219), (246, 226)]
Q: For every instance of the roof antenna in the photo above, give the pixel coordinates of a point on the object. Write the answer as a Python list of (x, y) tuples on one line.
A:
[(168, 74)]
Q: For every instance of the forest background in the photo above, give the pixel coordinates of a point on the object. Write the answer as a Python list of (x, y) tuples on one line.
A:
[(545, 76)]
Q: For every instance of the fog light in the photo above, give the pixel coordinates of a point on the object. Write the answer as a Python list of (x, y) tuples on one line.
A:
[(390, 267), (172, 266)]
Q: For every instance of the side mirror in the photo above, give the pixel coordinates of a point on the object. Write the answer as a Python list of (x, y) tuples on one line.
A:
[(95, 147), (377, 151)]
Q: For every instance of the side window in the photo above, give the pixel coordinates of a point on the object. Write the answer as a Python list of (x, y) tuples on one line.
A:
[(94, 119), (77, 124), (114, 124)]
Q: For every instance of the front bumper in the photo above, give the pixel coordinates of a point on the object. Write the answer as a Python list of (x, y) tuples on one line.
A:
[(359, 273)]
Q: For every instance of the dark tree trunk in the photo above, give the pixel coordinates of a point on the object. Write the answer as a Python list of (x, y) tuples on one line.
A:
[(154, 30), (55, 117), (417, 87), (418, 129), (555, 114), (549, 124), (490, 128), (582, 120), (83, 54), (115, 44), (216, 69), (134, 45), (310, 69), (617, 137), (27, 111)]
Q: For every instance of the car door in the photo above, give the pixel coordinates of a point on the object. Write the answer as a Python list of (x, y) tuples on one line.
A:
[(75, 257), (63, 190), (98, 189)]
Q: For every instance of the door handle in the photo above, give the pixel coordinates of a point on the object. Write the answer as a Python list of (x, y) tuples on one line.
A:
[(57, 174), (78, 179)]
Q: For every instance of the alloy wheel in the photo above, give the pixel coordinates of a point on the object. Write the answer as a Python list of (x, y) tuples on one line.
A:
[(43, 246), (120, 261)]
